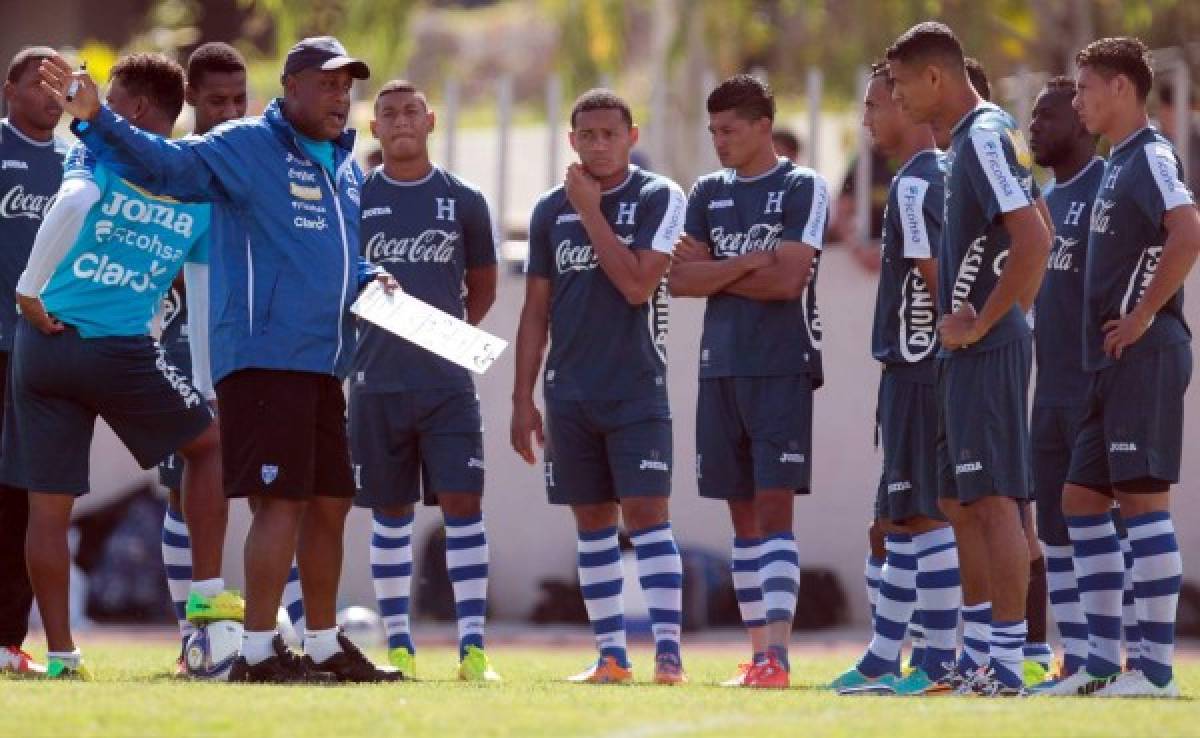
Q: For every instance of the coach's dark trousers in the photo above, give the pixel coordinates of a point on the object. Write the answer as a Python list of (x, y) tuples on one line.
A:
[(16, 596)]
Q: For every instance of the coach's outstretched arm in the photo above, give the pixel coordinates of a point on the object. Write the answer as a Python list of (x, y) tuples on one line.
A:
[(1179, 253), (195, 169)]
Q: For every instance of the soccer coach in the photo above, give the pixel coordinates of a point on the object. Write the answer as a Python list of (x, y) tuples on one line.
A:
[(284, 271)]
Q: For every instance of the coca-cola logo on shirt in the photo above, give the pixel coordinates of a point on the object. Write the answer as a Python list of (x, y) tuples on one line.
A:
[(17, 203), (579, 257), (429, 247), (760, 237)]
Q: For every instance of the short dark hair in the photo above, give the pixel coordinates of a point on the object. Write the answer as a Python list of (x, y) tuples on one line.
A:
[(213, 57), (746, 95), (26, 58), (601, 99), (787, 139), (978, 77), (398, 85), (1125, 55), (156, 77), (927, 41), (1060, 85), (879, 70)]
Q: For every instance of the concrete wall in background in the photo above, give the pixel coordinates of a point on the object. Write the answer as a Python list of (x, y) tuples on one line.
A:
[(531, 540)]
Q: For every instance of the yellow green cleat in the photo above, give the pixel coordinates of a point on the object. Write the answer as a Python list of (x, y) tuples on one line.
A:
[(404, 660), (475, 667), (59, 669), (227, 605)]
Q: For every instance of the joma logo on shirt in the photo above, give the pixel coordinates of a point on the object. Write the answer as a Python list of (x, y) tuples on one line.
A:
[(139, 211)]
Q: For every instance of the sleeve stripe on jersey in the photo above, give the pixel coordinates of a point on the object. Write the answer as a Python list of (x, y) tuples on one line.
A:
[(1162, 164), (672, 222), (990, 151), (814, 229), (910, 194)]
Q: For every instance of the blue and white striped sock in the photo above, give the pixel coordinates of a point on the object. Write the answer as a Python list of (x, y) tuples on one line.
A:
[(391, 573), (874, 570), (747, 582), (293, 600), (600, 579), (660, 572), (1007, 651), (977, 635), (939, 598), (916, 638), (177, 564), (1100, 573), (894, 611), (467, 565), (1066, 607), (779, 567), (1157, 578), (1130, 628)]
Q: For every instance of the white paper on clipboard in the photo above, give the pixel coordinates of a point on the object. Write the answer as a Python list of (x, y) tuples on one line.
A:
[(433, 330)]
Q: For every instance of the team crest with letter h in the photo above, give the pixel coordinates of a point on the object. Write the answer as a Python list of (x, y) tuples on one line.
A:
[(270, 472)]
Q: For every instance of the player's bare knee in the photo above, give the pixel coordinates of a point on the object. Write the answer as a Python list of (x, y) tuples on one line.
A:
[(459, 504), (640, 513), (595, 517), (203, 447), (1080, 500), (398, 511), (774, 508), (744, 518)]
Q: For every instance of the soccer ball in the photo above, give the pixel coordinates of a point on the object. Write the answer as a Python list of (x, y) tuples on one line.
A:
[(361, 625), (212, 649)]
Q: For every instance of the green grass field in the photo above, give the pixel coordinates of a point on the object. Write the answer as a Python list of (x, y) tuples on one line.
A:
[(135, 696)]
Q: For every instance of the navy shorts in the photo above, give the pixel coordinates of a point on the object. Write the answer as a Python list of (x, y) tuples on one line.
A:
[(607, 450), (62, 383), (170, 469), (283, 434), (401, 442), (1053, 431), (908, 422), (1132, 427), (753, 433), (983, 446)]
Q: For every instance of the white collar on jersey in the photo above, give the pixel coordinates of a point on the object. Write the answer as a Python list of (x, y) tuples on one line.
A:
[(914, 157), (618, 188), (1081, 172), (1128, 138), (779, 162), (409, 182), (7, 126)]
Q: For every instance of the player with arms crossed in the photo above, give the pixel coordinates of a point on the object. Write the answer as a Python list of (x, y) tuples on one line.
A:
[(103, 259), (920, 573), (414, 417), (1143, 241), (29, 179), (599, 246), (995, 241), (752, 239)]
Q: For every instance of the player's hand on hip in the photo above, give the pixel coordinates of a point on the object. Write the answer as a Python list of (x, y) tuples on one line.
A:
[(35, 312), (75, 90), (958, 329), (583, 190), (526, 423), (1123, 332)]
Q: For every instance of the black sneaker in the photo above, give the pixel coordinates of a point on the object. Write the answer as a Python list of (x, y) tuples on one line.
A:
[(285, 667), (350, 665)]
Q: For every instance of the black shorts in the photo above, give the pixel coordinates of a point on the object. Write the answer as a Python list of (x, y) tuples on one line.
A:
[(283, 434), (60, 385), (1053, 431)]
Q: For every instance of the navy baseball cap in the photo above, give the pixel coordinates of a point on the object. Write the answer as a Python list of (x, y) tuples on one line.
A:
[(325, 53)]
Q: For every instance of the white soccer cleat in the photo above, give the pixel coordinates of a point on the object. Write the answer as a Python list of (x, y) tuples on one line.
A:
[(1079, 684), (1135, 684)]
